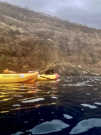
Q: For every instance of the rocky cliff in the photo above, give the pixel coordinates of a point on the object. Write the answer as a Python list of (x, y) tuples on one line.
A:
[(36, 41)]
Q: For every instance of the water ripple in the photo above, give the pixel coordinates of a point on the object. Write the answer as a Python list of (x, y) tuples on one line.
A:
[(89, 106), (49, 127), (85, 125), (32, 100), (66, 116)]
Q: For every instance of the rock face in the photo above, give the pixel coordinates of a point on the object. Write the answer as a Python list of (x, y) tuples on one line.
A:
[(35, 41)]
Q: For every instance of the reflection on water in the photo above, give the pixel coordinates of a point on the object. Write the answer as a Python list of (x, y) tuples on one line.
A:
[(69, 106), (32, 100), (89, 106), (66, 116), (97, 103), (21, 96), (85, 125), (49, 127)]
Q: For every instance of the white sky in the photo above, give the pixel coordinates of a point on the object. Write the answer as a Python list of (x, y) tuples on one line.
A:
[(87, 12)]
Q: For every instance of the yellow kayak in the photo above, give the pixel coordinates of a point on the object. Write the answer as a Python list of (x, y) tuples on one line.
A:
[(42, 77), (45, 77), (18, 78)]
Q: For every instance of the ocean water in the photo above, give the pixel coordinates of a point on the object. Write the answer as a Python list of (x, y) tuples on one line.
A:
[(71, 106)]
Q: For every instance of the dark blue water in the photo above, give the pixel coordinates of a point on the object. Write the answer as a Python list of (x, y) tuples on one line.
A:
[(71, 106)]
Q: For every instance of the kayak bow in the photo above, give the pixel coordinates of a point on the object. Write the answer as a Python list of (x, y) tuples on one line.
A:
[(45, 77)]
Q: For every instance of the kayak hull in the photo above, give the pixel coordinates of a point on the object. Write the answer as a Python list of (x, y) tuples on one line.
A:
[(18, 78)]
